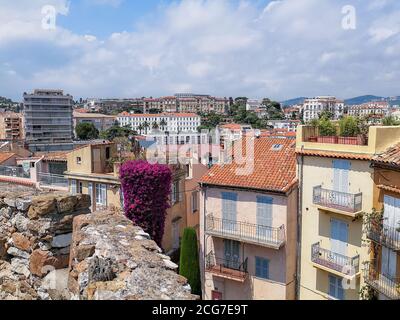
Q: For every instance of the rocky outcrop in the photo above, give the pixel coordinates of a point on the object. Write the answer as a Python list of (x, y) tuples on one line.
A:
[(113, 260), (35, 238)]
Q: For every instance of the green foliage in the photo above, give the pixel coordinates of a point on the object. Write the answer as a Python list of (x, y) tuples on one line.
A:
[(210, 120), (189, 260), (326, 115), (390, 121), (86, 131), (326, 127), (349, 127), (115, 132)]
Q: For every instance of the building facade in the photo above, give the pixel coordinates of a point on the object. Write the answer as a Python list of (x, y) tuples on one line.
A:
[(382, 274), (166, 122), (100, 121), (370, 108), (336, 185), (48, 120), (313, 107), (201, 103), (11, 126), (248, 226)]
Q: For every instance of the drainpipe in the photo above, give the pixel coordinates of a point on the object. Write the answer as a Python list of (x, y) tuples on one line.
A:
[(203, 273), (300, 162)]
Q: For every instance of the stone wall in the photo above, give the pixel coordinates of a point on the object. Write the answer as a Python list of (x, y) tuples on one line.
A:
[(52, 249), (113, 260), (35, 238)]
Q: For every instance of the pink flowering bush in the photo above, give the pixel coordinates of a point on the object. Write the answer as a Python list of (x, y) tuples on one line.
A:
[(146, 188)]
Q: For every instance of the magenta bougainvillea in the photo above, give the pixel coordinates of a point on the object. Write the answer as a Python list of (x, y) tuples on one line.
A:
[(146, 189)]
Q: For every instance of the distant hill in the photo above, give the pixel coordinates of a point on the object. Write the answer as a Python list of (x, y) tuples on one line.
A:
[(363, 99), (294, 101)]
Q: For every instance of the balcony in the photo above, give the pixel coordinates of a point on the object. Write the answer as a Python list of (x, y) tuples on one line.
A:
[(384, 284), (333, 262), (232, 269), (336, 201), (246, 232), (385, 235)]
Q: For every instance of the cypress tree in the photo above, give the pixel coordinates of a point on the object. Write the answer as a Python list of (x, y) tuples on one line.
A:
[(189, 260)]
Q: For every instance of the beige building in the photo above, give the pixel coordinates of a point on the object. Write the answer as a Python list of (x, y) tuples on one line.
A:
[(102, 122), (91, 171), (337, 184), (11, 126), (248, 225)]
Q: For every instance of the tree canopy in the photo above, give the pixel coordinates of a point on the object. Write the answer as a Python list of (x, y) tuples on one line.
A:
[(86, 131)]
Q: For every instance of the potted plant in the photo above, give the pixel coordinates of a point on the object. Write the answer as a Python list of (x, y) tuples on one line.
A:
[(327, 131), (349, 131)]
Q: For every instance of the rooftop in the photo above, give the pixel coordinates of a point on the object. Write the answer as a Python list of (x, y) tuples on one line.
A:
[(390, 157), (274, 168), (4, 156)]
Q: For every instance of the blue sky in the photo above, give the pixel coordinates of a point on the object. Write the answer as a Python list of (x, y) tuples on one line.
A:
[(256, 48)]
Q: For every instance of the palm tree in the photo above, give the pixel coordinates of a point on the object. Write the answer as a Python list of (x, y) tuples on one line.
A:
[(155, 125), (163, 124), (140, 128), (146, 126)]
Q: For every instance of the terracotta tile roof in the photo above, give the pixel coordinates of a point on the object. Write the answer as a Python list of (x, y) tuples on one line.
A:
[(53, 156), (389, 157), (4, 156), (232, 126), (394, 189), (274, 169), (332, 154)]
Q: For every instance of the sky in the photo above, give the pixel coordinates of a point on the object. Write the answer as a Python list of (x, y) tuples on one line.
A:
[(279, 49)]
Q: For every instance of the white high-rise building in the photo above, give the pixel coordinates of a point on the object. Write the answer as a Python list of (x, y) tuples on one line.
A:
[(313, 107)]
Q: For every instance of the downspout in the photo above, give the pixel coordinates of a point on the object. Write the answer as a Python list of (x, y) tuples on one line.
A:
[(300, 162), (203, 273)]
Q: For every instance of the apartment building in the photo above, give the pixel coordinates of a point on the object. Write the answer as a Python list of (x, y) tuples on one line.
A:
[(11, 126), (248, 225), (289, 125), (201, 103), (102, 122), (48, 120), (382, 274), (370, 108), (91, 171), (313, 107), (166, 122), (164, 104), (336, 185)]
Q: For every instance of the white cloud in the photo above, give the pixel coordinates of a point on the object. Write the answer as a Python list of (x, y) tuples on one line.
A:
[(289, 48)]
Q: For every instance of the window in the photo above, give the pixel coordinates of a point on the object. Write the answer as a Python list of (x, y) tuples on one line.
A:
[(101, 195), (195, 201), (229, 211), (262, 268), (335, 288), (78, 160), (80, 187), (73, 186), (108, 153), (175, 195), (264, 217), (90, 191)]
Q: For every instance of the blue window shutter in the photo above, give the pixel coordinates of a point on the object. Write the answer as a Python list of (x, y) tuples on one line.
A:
[(341, 175), (264, 211), (229, 208)]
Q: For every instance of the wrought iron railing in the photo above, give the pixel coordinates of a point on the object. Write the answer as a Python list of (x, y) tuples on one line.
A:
[(47, 179), (385, 284), (335, 261), (17, 172), (337, 200), (245, 231), (230, 266), (388, 236)]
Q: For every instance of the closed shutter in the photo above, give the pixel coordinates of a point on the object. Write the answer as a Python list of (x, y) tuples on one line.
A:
[(264, 217), (341, 175), (73, 186), (339, 237), (229, 214)]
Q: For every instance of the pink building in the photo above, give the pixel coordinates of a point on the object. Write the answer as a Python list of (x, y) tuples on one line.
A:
[(248, 225)]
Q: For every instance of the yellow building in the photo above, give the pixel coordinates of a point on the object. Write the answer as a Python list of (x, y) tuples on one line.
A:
[(336, 187), (91, 171), (382, 274)]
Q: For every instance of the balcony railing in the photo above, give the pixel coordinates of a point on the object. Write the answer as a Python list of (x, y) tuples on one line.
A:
[(53, 180), (384, 284), (334, 261), (227, 267), (17, 172), (385, 235), (263, 235), (342, 201)]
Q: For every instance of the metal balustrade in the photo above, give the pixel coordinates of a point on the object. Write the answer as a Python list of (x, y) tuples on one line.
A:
[(54, 180), (342, 201), (229, 267), (17, 172), (335, 261), (384, 284), (385, 235), (248, 232)]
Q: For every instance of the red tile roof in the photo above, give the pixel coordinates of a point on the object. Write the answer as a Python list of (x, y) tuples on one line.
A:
[(390, 157), (332, 154), (4, 156), (273, 170)]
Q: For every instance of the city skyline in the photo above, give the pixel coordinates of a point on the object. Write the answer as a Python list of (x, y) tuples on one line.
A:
[(279, 49)]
